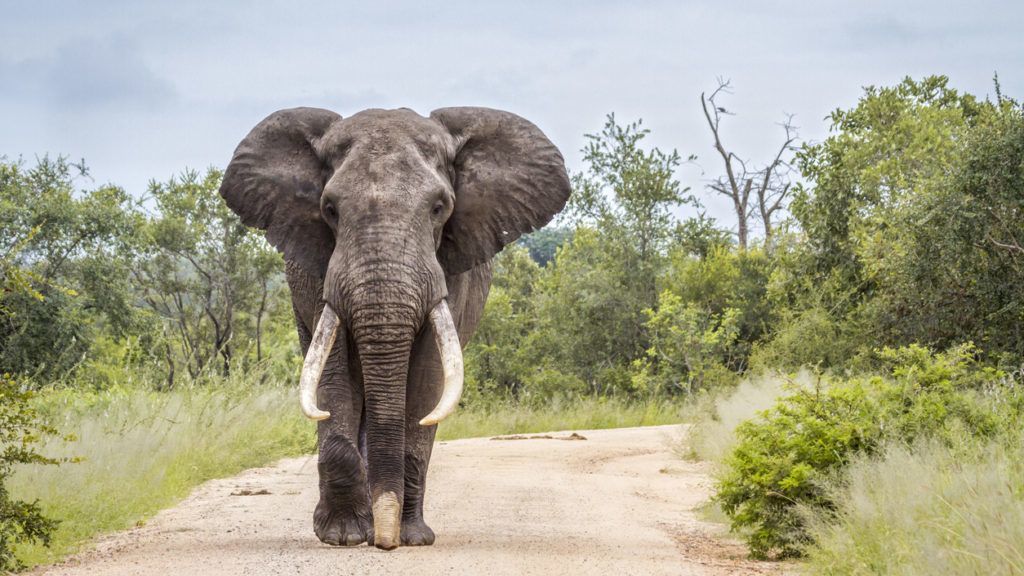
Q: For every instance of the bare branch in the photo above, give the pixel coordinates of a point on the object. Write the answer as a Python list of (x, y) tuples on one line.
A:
[(770, 184), (1013, 246)]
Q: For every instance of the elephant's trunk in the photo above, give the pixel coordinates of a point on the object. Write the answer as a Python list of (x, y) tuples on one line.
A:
[(383, 333), (384, 342)]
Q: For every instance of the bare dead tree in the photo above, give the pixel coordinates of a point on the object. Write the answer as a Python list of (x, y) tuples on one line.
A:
[(767, 187)]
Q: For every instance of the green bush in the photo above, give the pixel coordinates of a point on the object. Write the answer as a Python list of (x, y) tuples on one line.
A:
[(780, 459), (783, 458), (21, 521), (549, 383), (788, 347)]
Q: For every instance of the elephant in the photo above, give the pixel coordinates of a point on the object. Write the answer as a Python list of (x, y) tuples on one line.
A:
[(387, 221)]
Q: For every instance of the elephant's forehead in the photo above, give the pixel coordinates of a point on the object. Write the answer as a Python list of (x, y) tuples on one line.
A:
[(395, 151), (392, 130)]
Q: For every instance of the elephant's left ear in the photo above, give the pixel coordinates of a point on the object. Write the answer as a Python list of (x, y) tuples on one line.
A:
[(509, 180)]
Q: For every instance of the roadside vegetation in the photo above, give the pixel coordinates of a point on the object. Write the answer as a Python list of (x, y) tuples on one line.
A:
[(897, 449), (860, 318)]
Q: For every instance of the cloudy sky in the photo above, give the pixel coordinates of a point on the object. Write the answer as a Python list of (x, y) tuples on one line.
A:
[(141, 90)]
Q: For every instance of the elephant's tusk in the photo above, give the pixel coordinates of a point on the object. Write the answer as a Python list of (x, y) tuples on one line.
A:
[(313, 366), (447, 339)]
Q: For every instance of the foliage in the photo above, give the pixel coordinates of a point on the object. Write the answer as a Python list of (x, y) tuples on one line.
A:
[(497, 362), (779, 459), (971, 222), (891, 143), (544, 243), (699, 236), (590, 301), (724, 280), (789, 348), (69, 253), (21, 432), (783, 458), (588, 313), (888, 196), (628, 191), (689, 349), (21, 520), (925, 509), (209, 277)]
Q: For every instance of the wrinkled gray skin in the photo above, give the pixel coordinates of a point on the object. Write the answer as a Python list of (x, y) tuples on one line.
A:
[(382, 215)]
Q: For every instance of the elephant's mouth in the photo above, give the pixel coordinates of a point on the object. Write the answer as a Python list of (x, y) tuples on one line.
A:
[(446, 338)]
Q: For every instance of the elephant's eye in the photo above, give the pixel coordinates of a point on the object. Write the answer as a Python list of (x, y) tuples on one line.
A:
[(330, 211), (438, 208)]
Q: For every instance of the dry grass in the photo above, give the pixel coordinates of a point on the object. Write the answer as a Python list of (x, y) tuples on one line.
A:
[(927, 510), (716, 417), (143, 451)]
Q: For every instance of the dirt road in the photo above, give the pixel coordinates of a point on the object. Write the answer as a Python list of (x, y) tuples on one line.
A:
[(618, 502)]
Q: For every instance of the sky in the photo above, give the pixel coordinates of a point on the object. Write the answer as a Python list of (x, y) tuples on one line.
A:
[(143, 90)]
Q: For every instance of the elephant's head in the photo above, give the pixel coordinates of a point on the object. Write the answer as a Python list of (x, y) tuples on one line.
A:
[(383, 206)]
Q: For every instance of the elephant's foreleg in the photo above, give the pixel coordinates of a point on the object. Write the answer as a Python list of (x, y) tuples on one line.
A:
[(424, 389), (343, 515)]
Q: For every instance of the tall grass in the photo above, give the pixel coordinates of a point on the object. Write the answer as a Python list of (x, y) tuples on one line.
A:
[(140, 451), (715, 417), (924, 510)]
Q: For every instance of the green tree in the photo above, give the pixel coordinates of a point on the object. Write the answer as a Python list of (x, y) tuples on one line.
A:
[(882, 150), (871, 188), (691, 347), (20, 431), (589, 316), (75, 249), (208, 277), (544, 243), (699, 236), (948, 265), (591, 298), (497, 360), (725, 279), (20, 428)]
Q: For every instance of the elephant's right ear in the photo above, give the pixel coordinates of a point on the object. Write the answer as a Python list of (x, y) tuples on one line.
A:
[(275, 180)]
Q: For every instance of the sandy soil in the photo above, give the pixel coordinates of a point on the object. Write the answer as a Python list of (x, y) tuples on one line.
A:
[(618, 502)]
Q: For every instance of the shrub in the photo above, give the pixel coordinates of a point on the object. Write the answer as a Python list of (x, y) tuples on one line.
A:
[(20, 432), (690, 346), (780, 459), (548, 383), (788, 347), (783, 458)]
